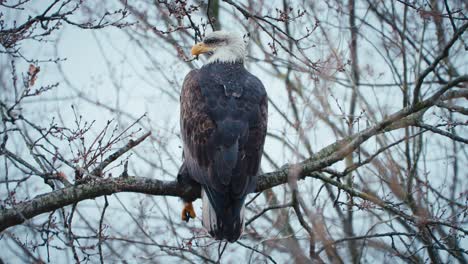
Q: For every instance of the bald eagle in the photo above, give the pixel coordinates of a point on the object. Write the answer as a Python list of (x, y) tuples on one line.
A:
[(223, 121)]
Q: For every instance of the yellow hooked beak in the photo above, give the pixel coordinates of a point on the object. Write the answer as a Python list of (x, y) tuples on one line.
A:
[(200, 48)]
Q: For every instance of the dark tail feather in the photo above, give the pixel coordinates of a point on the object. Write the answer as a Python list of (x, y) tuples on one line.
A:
[(222, 222)]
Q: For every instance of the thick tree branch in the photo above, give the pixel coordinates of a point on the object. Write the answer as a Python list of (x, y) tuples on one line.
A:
[(93, 189)]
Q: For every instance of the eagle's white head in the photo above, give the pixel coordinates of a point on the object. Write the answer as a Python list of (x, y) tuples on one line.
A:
[(222, 46)]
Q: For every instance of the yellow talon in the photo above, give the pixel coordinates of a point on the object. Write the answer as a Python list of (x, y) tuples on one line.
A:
[(188, 212)]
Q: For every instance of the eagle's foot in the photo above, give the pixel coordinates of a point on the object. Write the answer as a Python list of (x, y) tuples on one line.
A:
[(188, 212)]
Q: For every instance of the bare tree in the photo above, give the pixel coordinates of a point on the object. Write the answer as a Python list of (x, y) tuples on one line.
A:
[(365, 150)]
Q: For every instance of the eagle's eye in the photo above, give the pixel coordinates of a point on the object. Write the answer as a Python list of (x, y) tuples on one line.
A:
[(212, 41)]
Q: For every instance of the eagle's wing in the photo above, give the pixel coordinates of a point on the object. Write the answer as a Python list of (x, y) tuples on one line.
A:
[(197, 129), (256, 104)]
